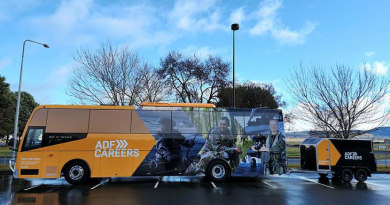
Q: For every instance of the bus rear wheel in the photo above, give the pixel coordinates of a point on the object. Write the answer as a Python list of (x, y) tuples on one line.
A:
[(346, 175), (361, 175), (76, 172), (218, 171)]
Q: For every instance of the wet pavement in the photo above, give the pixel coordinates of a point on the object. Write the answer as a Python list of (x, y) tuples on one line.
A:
[(378, 161), (296, 188)]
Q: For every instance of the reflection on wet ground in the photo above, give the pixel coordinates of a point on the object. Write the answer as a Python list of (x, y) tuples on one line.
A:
[(286, 189)]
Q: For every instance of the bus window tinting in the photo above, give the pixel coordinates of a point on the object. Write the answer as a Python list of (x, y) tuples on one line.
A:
[(110, 121), (34, 139)]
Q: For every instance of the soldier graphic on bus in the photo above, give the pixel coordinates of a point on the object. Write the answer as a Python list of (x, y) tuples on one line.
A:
[(220, 143), (169, 144)]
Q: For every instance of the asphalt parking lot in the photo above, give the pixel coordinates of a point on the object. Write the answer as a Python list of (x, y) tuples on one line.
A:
[(296, 188)]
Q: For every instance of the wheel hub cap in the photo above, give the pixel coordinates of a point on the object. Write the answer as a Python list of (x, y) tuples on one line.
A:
[(218, 171), (76, 172)]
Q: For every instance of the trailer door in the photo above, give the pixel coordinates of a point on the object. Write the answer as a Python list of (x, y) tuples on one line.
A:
[(323, 157)]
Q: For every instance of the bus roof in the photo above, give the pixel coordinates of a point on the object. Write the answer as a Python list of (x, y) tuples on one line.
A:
[(110, 107), (158, 104), (104, 107)]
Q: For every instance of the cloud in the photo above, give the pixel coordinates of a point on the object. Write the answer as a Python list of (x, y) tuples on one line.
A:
[(10, 9), (369, 54), (66, 16), (237, 16), (379, 68), (4, 63), (58, 77), (269, 23), (298, 124), (49, 90), (286, 36), (193, 15), (203, 52), (82, 22)]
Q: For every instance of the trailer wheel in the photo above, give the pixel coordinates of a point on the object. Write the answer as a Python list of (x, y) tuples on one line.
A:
[(346, 175), (361, 175)]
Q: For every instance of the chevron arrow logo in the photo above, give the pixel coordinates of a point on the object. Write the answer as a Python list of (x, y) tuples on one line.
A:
[(121, 144), (125, 144)]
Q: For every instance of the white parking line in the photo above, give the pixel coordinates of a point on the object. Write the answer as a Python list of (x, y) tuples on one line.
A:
[(267, 183), (159, 179), (155, 186), (32, 187), (315, 182), (96, 186), (212, 183)]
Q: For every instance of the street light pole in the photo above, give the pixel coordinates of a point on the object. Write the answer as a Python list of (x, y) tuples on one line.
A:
[(234, 27), (18, 101)]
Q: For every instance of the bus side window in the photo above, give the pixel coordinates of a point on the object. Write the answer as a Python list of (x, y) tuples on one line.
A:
[(33, 139)]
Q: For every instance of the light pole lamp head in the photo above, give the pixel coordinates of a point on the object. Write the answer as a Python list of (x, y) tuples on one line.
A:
[(46, 46), (235, 27)]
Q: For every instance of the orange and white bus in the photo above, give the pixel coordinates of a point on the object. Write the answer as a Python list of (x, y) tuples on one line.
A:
[(154, 139)]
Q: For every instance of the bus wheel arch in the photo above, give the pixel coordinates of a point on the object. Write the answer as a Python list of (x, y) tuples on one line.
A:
[(218, 170), (76, 171)]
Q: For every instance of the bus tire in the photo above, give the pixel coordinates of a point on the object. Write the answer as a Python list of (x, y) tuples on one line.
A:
[(346, 175), (361, 175), (218, 171), (76, 172)]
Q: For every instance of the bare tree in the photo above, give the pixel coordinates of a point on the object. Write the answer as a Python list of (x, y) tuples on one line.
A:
[(340, 101), (154, 89), (108, 75), (192, 80)]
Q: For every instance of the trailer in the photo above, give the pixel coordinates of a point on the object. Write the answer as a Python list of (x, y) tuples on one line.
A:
[(339, 157)]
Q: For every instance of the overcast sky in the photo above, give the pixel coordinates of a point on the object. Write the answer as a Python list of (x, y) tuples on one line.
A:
[(274, 36)]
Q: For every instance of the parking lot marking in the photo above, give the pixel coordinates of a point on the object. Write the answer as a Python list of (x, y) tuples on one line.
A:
[(32, 187), (96, 186), (159, 179), (316, 182), (212, 183), (267, 183), (377, 185)]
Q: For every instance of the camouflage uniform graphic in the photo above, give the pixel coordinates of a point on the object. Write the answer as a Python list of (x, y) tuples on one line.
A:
[(276, 144), (168, 145), (218, 145)]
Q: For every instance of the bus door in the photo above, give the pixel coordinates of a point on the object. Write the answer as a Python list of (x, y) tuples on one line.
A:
[(30, 158), (323, 158), (51, 155)]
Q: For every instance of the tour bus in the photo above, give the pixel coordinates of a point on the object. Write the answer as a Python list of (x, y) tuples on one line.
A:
[(80, 142)]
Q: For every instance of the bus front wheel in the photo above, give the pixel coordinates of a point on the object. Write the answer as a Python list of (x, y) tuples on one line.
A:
[(76, 172)]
